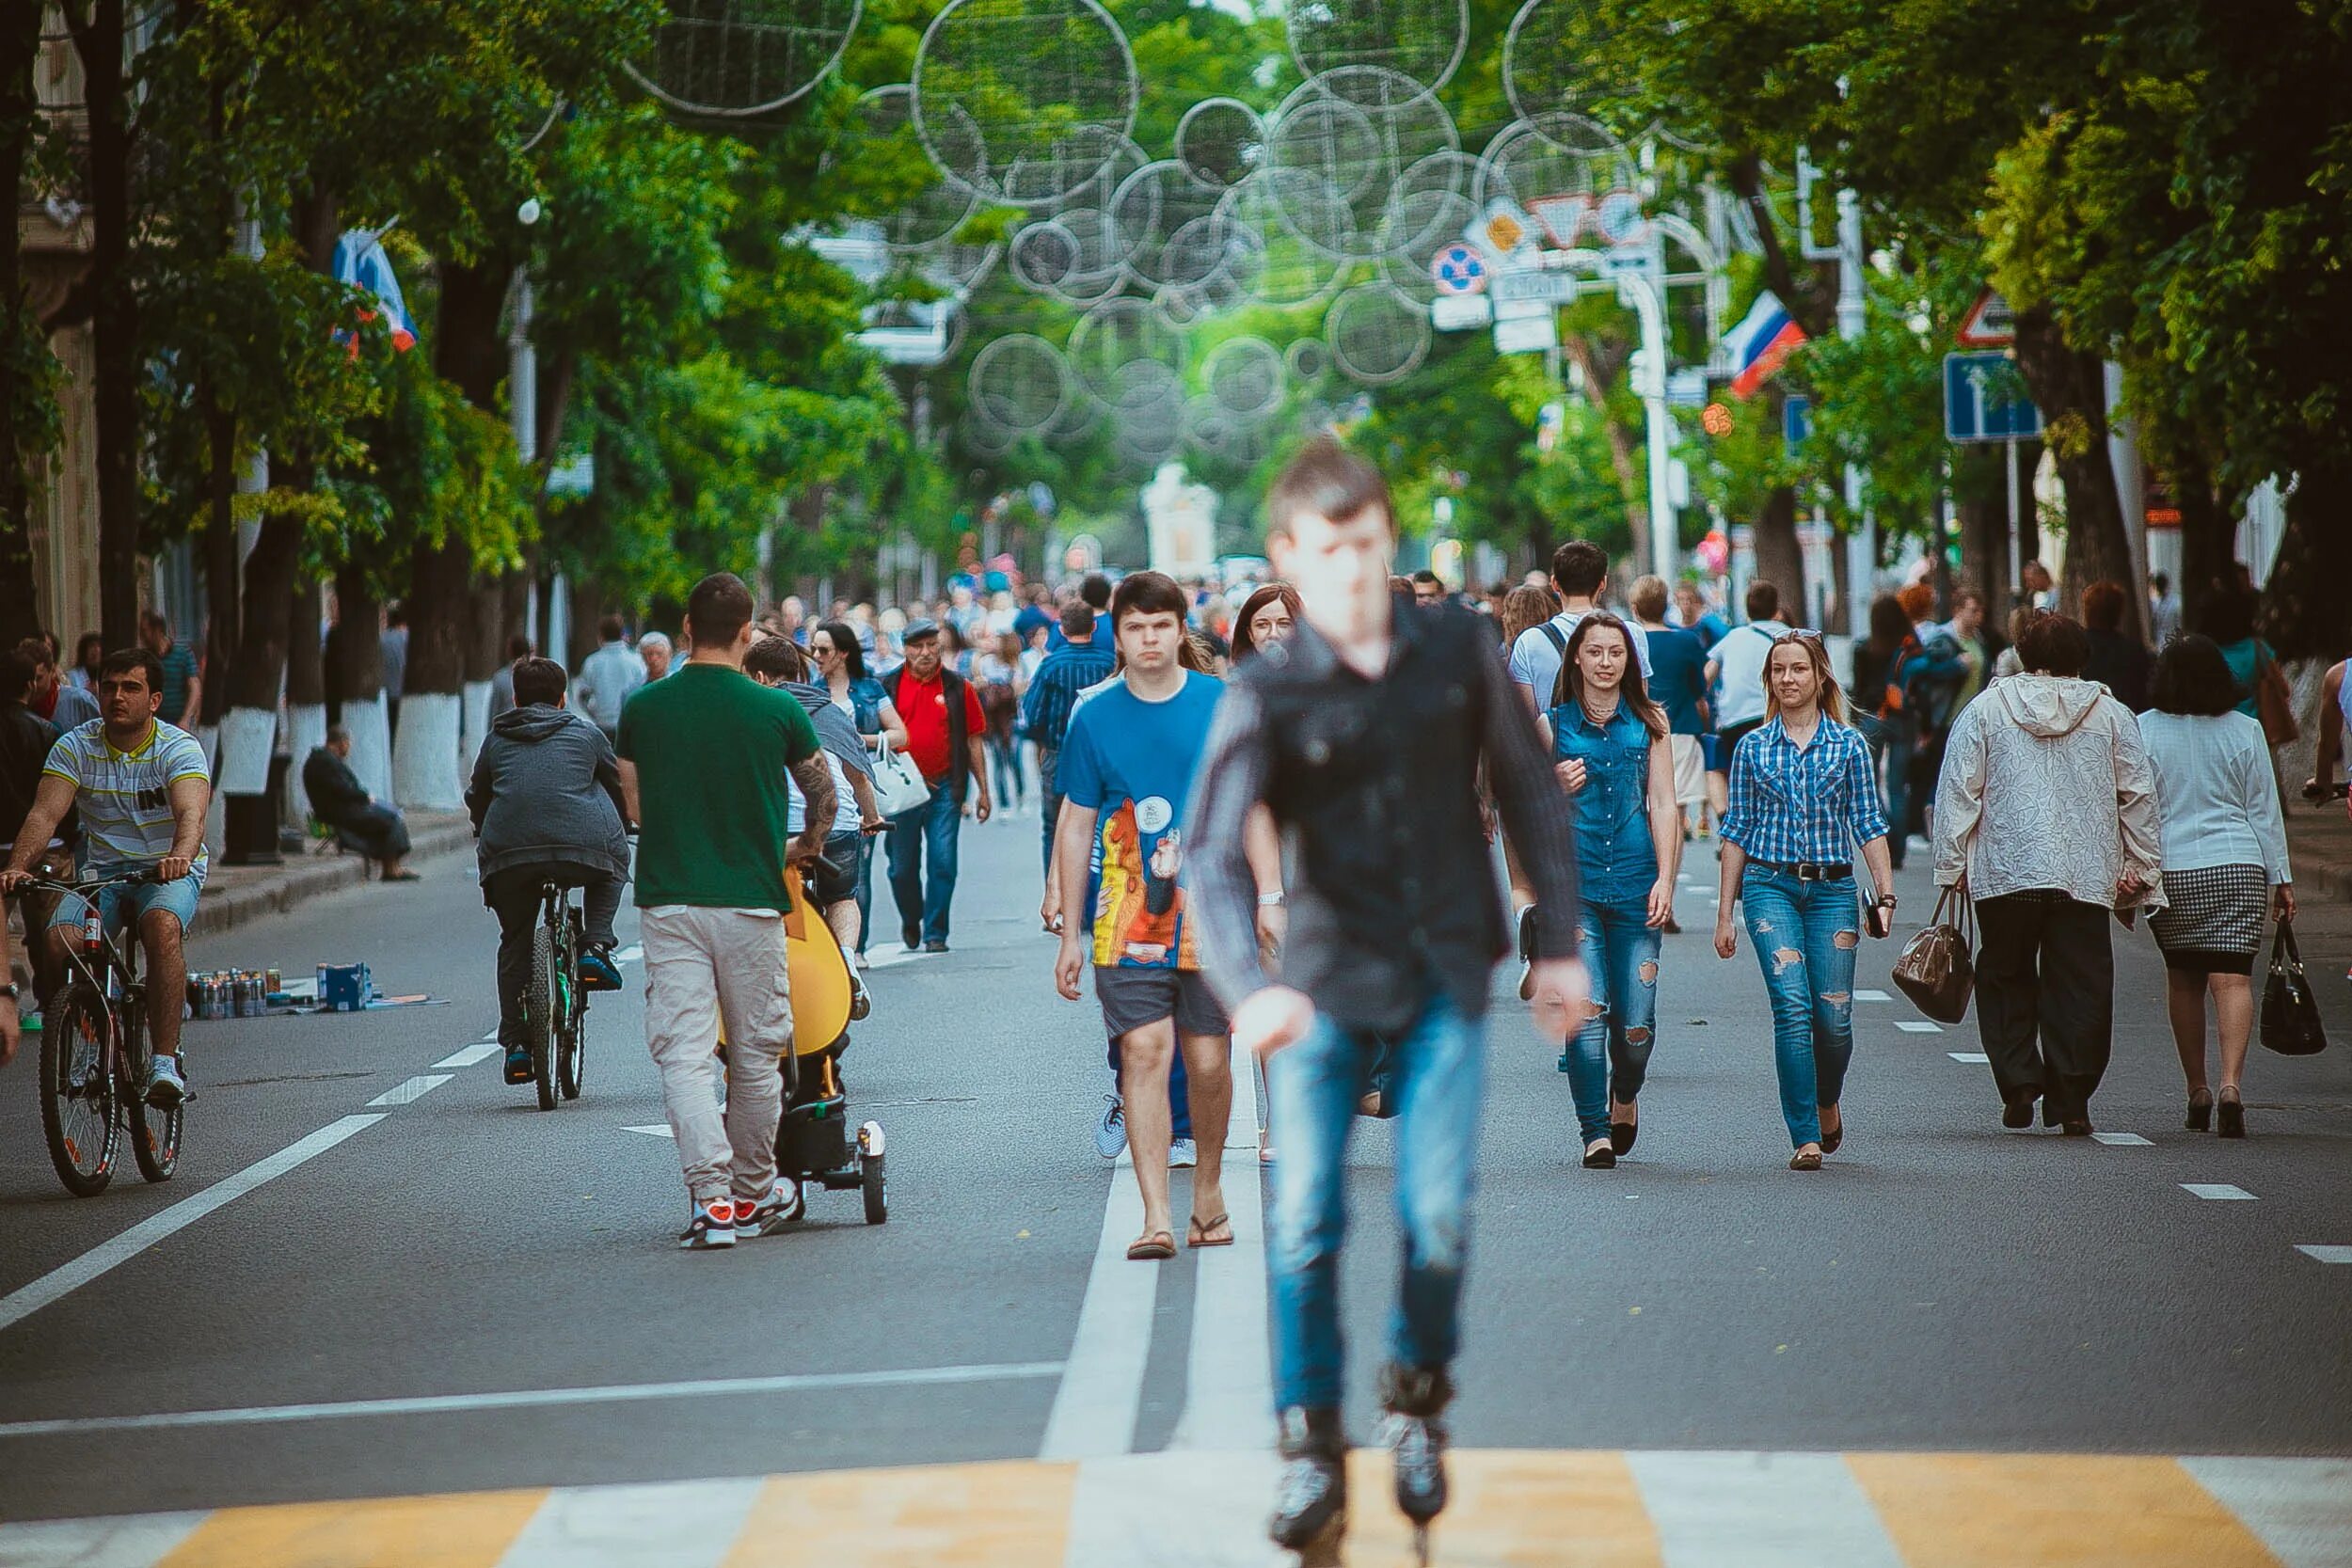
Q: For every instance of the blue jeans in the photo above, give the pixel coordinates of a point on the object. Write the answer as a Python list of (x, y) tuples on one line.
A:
[(865, 889), (1049, 797), (1612, 1049), (926, 832), (1440, 1066), (1805, 935)]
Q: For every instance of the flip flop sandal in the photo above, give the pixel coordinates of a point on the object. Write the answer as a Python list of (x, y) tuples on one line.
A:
[(1197, 1233), (1155, 1246), (1802, 1161)]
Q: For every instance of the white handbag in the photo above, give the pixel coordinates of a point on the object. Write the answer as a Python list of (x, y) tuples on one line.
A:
[(898, 785)]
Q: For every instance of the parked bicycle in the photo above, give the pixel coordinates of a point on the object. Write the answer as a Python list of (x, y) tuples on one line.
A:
[(555, 1004), (94, 1056)]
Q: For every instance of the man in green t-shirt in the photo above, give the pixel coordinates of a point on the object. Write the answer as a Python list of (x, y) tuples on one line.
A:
[(703, 758)]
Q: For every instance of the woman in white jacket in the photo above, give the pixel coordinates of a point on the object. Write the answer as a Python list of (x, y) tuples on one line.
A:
[(2225, 864), (2045, 816)]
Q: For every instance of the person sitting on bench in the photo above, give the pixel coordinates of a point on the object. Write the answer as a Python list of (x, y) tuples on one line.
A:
[(361, 821), (546, 804)]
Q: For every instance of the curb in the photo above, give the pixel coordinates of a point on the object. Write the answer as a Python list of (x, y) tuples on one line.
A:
[(312, 877)]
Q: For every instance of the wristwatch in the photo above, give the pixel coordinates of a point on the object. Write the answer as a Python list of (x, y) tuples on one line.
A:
[(1269, 900), (11, 992)]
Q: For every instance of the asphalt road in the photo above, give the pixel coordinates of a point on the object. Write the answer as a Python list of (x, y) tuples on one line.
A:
[(508, 1277)]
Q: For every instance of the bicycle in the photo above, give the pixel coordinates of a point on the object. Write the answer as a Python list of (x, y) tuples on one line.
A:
[(555, 1004), (94, 1056)]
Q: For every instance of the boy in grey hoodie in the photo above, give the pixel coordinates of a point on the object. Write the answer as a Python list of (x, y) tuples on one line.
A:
[(546, 800)]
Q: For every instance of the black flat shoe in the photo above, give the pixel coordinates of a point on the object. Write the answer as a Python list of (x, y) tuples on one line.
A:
[(2232, 1118), (1830, 1141), (2076, 1126), (2017, 1111), (1622, 1133), (2200, 1111), (1601, 1157)]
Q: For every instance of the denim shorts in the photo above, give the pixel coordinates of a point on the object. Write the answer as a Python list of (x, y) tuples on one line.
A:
[(177, 898)]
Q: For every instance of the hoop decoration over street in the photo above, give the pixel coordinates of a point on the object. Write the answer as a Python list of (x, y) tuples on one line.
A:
[(739, 59), (1047, 89), (1423, 39)]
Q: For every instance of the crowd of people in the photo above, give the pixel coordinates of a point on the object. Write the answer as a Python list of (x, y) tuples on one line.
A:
[(1269, 817)]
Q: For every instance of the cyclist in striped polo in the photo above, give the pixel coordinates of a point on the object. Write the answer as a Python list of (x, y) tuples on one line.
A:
[(142, 786)]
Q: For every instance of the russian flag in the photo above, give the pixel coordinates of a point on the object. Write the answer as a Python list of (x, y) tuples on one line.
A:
[(360, 261), (1760, 343)]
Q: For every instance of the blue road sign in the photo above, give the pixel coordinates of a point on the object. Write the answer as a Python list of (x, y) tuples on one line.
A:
[(1796, 420), (1983, 399)]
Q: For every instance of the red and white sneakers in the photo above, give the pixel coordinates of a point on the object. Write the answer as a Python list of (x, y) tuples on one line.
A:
[(712, 1226)]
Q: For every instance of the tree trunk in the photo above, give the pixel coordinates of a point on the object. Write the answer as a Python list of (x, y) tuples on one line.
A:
[(471, 355), (2208, 538), (1779, 559), (486, 626), (98, 37), (220, 552), (2071, 388), (355, 651), (20, 344), (2306, 612), (587, 610), (305, 656)]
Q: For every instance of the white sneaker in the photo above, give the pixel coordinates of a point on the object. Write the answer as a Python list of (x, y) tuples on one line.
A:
[(1183, 1154), (711, 1225), (780, 1207), (1111, 1133), (165, 1088)]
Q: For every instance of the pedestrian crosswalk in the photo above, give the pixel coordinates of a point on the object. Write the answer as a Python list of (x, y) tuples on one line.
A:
[(1512, 1509)]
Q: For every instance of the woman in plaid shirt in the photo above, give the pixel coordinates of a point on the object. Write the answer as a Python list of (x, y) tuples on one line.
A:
[(1802, 796)]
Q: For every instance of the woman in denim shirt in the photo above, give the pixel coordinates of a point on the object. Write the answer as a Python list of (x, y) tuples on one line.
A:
[(1610, 742), (1802, 796), (840, 661)]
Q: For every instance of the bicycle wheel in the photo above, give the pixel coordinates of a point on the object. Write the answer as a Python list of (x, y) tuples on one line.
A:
[(539, 1017), (154, 1134), (79, 1110), (571, 1063)]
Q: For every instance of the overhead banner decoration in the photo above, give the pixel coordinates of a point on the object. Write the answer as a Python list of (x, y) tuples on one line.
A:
[(360, 261), (1760, 344)]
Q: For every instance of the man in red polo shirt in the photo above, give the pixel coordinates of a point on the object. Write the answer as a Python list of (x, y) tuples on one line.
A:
[(946, 739)]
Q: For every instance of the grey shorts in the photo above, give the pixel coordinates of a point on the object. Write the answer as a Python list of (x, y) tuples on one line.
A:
[(1132, 996)]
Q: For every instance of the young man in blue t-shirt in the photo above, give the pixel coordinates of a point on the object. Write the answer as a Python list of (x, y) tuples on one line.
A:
[(1127, 762)]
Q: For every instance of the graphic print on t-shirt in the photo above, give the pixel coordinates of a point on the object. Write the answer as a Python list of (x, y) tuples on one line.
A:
[(1139, 909)]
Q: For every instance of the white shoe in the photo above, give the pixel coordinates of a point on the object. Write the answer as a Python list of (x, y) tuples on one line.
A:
[(1111, 1133), (780, 1207), (1183, 1154)]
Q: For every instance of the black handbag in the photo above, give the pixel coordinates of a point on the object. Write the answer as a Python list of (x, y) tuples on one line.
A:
[(2290, 1017)]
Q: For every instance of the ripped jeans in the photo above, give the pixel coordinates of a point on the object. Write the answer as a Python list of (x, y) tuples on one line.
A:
[(1805, 934), (1612, 1050)]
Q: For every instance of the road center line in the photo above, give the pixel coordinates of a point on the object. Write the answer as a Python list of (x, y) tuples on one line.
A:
[(525, 1399), (1101, 1387), (68, 1277)]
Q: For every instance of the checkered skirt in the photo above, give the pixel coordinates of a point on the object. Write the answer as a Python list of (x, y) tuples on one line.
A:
[(2214, 912)]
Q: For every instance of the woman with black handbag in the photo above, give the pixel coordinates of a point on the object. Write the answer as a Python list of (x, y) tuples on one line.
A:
[(2225, 864)]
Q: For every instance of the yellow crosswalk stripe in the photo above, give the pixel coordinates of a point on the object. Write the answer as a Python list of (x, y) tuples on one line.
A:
[(1007, 1515), (2025, 1510), (1511, 1509), (466, 1530)]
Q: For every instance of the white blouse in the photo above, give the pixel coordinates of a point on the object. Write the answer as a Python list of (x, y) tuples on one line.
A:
[(2216, 792)]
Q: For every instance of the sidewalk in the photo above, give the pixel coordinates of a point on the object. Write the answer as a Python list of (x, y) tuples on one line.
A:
[(2319, 851), (237, 895)]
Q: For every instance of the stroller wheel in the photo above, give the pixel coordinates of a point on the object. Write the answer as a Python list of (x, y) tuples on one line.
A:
[(870, 1173)]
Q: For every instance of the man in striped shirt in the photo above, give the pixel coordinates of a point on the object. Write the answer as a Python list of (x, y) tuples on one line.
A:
[(142, 786), (1053, 695)]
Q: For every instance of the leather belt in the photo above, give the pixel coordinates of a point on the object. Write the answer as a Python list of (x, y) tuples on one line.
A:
[(1809, 871)]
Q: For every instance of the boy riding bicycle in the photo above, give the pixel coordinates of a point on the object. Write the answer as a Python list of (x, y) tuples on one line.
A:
[(546, 800), (142, 786)]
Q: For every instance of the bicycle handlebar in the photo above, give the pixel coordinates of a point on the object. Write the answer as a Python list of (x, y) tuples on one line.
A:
[(51, 884)]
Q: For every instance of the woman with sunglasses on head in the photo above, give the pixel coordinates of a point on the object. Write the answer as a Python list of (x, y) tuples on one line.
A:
[(1610, 740), (840, 661), (1804, 797)]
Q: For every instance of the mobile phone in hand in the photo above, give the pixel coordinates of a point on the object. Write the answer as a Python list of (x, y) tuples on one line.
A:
[(1882, 920)]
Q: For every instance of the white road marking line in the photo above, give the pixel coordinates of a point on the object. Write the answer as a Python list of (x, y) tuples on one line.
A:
[(2301, 1507), (630, 953), (1872, 996), (681, 1524), (1173, 1510), (1760, 1511), (1918, 1026), (413, 1090), (1968, 1056), (1229, 1385), (139, 1540), (2122, 1140), (2326, 1252), (2220, 1191), (71, 1276), (481, 1051), (659, 1130), (890, 958), (528, 1399), (1101, 1387)]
